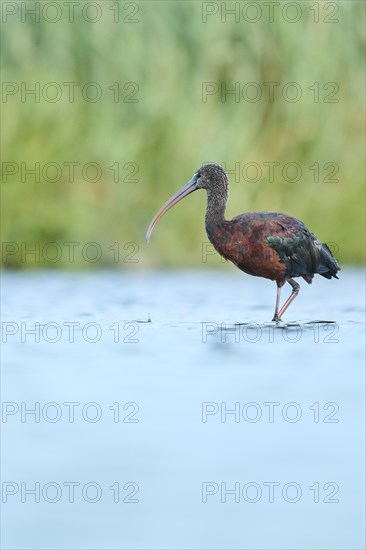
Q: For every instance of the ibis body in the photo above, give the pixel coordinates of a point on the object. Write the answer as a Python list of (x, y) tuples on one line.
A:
[(264, 244)]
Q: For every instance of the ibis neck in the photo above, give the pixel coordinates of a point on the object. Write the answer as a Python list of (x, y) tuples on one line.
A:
[(216, 205)]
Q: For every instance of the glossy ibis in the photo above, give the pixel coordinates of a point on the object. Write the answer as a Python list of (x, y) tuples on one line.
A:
[(264, 244)]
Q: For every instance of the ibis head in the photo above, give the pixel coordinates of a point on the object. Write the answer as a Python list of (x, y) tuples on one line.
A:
[(210, 177)]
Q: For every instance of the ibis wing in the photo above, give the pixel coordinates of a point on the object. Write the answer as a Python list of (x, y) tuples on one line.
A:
[(303, 254), (299, 252)]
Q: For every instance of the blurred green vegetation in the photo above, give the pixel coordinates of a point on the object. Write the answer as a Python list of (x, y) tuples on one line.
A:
[(168, 55)]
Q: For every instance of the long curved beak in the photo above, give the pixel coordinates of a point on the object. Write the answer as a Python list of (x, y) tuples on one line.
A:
[(179, 195)]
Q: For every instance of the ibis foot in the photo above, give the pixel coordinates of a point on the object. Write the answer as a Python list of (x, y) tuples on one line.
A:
[(295, 290), (276, 319)]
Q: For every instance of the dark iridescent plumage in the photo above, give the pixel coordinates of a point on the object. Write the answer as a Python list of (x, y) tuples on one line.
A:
[(264, 244)]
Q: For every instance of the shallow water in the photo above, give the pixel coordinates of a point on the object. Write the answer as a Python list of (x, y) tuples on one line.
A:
[(196, 422)]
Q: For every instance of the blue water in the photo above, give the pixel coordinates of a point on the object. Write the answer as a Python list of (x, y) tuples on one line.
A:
[(132, 378)]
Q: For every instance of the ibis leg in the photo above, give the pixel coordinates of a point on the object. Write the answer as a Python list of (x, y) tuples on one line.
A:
[(275, 317), (294, 293)]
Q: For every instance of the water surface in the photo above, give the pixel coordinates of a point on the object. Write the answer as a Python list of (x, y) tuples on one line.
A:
[(178, 415)]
